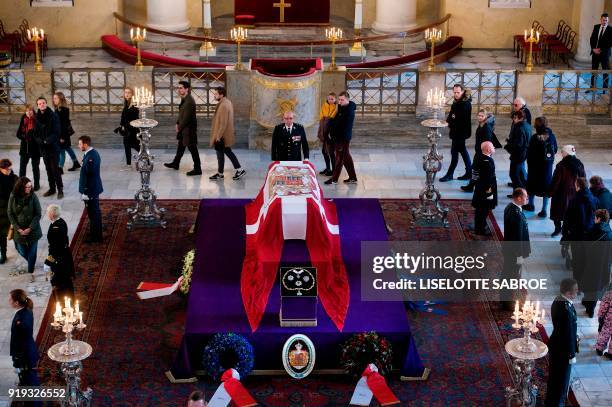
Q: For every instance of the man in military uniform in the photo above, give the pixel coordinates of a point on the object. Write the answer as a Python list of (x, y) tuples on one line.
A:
[(516, 247), (90, 187), (485, 188), (563, 343), (289, 140)]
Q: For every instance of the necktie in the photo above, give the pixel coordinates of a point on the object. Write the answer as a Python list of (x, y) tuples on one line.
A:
[(601, 31)]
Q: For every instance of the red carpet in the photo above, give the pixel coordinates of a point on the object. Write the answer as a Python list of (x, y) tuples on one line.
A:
[(134, 341)]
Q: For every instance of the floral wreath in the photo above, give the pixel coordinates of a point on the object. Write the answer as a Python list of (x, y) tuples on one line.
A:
[(187, 271), (225, 351), (365, 348)]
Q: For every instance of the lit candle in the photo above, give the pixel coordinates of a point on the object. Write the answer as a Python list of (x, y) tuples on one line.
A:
[(525, 35), (81, 318), (42, 34), (538, 35), (144, 33), (76, 307), (516, 308), (132, 33), (67, 300)]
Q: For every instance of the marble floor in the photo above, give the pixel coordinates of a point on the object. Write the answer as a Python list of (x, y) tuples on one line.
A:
[(382, 173)]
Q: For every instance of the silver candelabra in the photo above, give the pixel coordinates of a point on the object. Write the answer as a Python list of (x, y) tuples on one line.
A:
[(145, 212), (430, 211), (70, 353), (525, 350)]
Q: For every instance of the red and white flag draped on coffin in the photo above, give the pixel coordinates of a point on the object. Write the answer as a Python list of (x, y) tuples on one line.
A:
[(291, 206)]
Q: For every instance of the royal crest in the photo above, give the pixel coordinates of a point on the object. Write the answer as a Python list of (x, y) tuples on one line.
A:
[(298, 356)]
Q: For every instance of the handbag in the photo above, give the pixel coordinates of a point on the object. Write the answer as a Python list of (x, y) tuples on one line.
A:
[(219, 145), (11, 232)]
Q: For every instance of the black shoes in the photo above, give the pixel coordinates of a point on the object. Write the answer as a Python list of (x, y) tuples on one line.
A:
[(2, 256), (528, 208), (194, 172), (350, 181), (216, 177), (60, 194), (556, 233), (509, 196), (61, 170), (510, 184), (50, 192), (172, 165), (446, 178), (239, 174), (465, 177), (75, 166), (326, 172), (468, 188), (542, 214), (330, 182), (36, 187)]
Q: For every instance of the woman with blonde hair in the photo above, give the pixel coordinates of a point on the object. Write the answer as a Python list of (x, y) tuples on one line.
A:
[(63, 112), (59, 260), (125, 129)]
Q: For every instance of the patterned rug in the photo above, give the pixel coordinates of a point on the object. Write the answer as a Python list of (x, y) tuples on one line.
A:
[(135, 341)]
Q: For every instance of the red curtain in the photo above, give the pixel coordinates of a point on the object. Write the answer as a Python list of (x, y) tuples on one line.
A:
[(300, 12)]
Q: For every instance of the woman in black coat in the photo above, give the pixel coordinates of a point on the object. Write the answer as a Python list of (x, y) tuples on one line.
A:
[(23, 348), (63, 112), (599, 258), (29, 149), (60, 258), (540, 160), (563, 185), (7, 183), (129, 133), (577, 223)]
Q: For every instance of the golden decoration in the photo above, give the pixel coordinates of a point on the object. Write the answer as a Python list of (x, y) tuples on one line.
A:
[(286, 105)]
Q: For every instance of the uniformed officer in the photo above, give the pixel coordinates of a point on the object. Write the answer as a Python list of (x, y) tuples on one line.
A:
[(485, 187), (90, 187), (563, 344), (288, 139)]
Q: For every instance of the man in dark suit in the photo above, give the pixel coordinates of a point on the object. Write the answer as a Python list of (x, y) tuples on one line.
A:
[(517, 144), (90, 187), (485, 188), (342, 134), (47, 134), (459, 129), (601, 40), (563, 344), (516, 246), (289, 140), (186, 131)]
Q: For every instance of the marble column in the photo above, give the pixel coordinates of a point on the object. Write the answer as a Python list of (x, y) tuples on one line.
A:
[(168, 15), (590, 12), (395, 15)]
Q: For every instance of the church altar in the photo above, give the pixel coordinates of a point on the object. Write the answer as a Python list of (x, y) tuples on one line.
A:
[(215, 303), (283, 12)]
